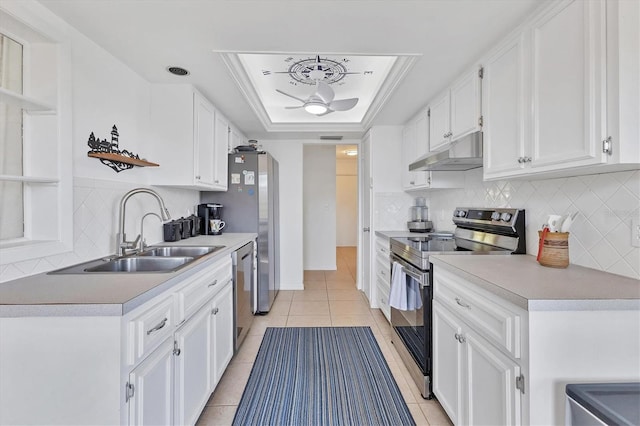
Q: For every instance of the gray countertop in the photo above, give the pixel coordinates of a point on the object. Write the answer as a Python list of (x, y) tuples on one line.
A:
[(103, 294), (524, 282), (397, 234)]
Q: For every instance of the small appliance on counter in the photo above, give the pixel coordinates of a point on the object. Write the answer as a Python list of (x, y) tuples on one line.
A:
[(419, 217), (211, 218)]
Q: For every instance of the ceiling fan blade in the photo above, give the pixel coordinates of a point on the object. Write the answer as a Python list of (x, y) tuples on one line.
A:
[(291, 96), (294, 107), (324, 92), (343, 104)]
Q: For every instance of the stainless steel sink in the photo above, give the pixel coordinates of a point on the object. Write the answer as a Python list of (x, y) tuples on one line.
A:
[(153, 260), (142, 264), (179, 251)]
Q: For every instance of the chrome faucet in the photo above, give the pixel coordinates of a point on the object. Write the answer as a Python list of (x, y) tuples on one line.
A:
[(122, 245), (143, 243)]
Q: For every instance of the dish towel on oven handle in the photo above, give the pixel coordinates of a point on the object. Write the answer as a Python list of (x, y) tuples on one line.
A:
[(405, 291)]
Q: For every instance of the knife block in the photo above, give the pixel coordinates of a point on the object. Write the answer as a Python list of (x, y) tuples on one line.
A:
[(555, 249)]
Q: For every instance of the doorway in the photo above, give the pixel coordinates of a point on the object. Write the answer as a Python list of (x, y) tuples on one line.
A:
[(330, 210)]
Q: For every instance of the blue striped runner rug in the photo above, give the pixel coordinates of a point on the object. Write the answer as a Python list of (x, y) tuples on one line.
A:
[(321, 376)]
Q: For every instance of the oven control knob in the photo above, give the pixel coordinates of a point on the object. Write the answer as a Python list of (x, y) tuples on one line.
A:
[(506, 217), (495, 216), (461, 213)]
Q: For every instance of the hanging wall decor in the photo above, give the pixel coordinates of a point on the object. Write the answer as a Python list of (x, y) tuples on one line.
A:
[(110, 154)]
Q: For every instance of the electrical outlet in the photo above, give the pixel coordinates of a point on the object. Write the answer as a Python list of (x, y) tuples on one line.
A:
[(635, 232)]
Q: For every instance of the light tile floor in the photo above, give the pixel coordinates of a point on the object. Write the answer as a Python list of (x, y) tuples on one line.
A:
[(330, 298)]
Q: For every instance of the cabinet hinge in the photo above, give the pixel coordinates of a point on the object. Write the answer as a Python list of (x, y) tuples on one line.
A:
[(228, 129), (481, 72), (481, 121), (607, 146), (176, 349), (520, 383), (129, 391), (429, 113)]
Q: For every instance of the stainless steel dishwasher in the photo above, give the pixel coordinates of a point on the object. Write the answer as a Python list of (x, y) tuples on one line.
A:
[(243, 289)]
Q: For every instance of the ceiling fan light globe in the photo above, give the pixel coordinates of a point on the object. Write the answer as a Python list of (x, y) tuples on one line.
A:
[(315, 108)]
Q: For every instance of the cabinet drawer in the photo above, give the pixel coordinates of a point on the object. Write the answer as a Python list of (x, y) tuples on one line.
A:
[(383, 297), (383, 269), (382, 248), (149, 329), (490, 316), (202, 286)]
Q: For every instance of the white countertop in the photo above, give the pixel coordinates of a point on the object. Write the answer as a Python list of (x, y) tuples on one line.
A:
[(103, 294), (521, 280)]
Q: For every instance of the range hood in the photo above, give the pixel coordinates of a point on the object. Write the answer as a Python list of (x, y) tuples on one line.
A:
[(463, 154)]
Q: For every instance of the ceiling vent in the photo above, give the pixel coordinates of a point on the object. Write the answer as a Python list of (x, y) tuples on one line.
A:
[(330, 138)]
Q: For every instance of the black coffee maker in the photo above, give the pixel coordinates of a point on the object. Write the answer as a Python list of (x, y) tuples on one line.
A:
[(209, 212)]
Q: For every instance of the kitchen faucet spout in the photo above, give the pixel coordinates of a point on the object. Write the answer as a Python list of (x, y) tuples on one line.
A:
[(122, 245)]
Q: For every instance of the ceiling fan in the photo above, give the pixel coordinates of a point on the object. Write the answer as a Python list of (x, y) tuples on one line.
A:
[(321, 102)]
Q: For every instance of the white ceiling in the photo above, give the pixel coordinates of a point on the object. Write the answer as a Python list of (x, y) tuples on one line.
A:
[(148, 35)]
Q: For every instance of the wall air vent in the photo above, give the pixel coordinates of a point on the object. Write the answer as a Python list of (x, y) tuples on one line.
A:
[(330, 138)]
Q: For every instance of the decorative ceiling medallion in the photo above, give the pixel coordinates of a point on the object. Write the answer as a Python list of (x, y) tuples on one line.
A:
[(309, 70)]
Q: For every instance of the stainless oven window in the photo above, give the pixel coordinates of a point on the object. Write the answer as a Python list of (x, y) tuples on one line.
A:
[(410, 324)]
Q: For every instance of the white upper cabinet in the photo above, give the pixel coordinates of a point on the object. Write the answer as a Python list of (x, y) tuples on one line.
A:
[(456, 112), (414, 145), (553, 93), (190, 139), (504, 107), (569, 84), (221, 152), (440, 122)]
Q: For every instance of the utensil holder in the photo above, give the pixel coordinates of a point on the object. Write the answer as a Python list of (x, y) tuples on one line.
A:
[(555, 249)]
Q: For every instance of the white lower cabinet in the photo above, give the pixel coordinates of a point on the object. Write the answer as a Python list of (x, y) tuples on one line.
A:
[(222, 331), (192, 367), (149, 391), (474, 382)]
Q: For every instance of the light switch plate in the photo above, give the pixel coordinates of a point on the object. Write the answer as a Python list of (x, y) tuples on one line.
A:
[(635, 232)]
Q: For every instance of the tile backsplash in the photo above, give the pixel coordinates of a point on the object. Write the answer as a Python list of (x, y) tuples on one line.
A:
[(600, 237), (95, 219)]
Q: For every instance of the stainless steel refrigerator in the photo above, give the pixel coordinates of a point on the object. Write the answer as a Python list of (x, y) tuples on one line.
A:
[(251, 205)]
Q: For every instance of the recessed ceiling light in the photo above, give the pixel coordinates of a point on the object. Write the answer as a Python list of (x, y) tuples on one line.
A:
[(351, 152), (178, 71)]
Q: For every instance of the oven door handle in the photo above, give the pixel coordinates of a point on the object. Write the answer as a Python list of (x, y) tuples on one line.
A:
[(409, 270)]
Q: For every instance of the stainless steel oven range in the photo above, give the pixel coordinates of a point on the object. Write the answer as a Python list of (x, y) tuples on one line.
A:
[(478, 231)]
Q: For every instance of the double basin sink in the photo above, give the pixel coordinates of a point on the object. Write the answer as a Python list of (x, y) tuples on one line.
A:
[(153, 259)]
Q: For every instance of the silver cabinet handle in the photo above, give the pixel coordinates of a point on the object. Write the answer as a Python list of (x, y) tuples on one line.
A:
[(198, 177), (213, 283), (520, 160), (160, 325), (526, 160), (461, 303), (459, 337), (215, 311), (446, 135), (412, 182), (367, 229)]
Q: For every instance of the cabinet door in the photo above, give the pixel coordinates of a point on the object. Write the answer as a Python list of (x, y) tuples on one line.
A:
[(410, 180), (204, 124), (152, 380), (221, 146), (439, 122), (465, 105), (421, 146), (503, 106), (569, 83), (447, 362), (193, 367), (490, 383), (222, 333)]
